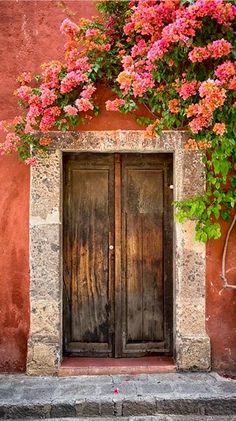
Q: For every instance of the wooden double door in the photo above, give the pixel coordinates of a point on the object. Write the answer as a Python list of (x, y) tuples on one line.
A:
[(117, 254)]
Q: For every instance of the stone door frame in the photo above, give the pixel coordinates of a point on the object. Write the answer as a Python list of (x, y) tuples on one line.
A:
[(191, 343)]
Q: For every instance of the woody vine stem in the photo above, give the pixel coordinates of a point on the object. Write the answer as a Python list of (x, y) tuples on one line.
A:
[(223, 267)]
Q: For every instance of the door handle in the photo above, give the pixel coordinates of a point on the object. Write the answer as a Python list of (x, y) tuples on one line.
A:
[(111, 247)]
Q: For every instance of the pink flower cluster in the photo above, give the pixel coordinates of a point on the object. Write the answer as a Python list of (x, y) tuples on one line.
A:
[(174, 106), (84, 104), (149, 17), (24, 78), (137, 76), (115, 104), (198, 54), (187, 21), (31, 161), (69, 28), (213, 97), (219, 129), (72, 79), (50, 74), (70, 110), (226, 70), (154, 31), (187, 89), (48, 118), (43, 104), (216, 49), (10, 144), (48, 97)]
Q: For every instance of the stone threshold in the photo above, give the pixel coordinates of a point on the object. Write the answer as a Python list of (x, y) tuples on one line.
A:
[(76, 366)]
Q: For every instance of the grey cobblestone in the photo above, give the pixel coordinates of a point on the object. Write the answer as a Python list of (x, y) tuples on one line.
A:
[(155, 418)]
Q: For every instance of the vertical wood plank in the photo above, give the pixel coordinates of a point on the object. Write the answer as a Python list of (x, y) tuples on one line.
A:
[(118, 301), (88, 227), (146, 254)]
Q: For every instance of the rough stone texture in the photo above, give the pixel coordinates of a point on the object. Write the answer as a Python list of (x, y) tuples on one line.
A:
[(92, 397), (42, 357), (191, 342), (139, 406), (157, 417), (193, 352)]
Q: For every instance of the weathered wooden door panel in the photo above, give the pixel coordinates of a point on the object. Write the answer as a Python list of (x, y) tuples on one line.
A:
[(117, 254), (144, 205), (88, 228)]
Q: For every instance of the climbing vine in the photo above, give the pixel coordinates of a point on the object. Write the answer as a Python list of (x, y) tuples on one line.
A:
[(177, 58)]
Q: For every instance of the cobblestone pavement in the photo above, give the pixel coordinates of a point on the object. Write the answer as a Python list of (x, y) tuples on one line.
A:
[(154, 418), (129, 397)]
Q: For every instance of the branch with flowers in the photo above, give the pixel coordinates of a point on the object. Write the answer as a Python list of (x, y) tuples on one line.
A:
[(176, 57)]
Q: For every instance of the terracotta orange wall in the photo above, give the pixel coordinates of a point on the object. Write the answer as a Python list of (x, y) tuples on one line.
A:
[(221, 303), (29, 35)]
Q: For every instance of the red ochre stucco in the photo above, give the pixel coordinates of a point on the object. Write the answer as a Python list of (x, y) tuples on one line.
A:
[(29, 35)]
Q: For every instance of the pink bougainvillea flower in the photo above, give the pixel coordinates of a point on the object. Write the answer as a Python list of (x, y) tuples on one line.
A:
[(139, 49), (24, 93), (69, 109), (125, 80), (141, 83), (83, 104), (192, 110), (232, 84), (88, 91), (198, 54), (50, 74), (92, 32), (28, 128), (115, 104), (10, 144), (73, 79), (3, 126), (31, 161), (24, 78), (174, 106), (198, 123), (192, 144), (158, 49), (69, 28), (49, 118), (219, 129), (225, 70), (188, 89), (209, 87), (219, 48), (45, 141), (116, 391), (128, 63), (82, 64), (48, 97)]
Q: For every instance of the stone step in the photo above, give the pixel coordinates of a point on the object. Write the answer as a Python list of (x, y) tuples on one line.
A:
[(158, 417), (98, 397), (100, 408)]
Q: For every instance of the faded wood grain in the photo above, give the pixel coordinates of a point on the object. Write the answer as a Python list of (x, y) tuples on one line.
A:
[(87, 225)]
